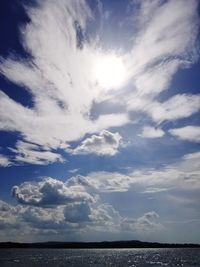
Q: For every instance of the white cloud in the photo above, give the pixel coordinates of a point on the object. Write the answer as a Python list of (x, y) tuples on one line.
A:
[(103, 181), (177, 107), (77, 212), (183, 175), (105, 213), (80, 196), (4, 161), (65, 208), (4, 206), (34, 154), (106, 143), (152, 190), (68, 221), (188, 133), (151, 132), (156, 79), (73, 170), (59, 75), (147, 222), (165, 34), (192, 156), (49, 192), (62, 84), (8, 216), (165, 43)]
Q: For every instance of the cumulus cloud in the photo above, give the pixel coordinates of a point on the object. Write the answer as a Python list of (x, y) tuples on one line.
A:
[(8, 216), (4, 206), (49, 192), (72, 216), (72, 208), (78, 200), (76, 213), (151, 132), (106, 143), (188, 133), (69, 207), (44, 218), (69, 220)]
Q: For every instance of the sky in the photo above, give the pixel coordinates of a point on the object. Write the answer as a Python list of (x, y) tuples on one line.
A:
[(99, 120)]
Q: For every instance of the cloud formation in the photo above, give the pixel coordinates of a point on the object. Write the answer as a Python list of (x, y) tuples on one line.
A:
[(182, 175), (147, 222), (54, 82), (4, 161), (64, 86), (8, 216), (188, 133), (103, 181), (151, 132), (106, 143), (49, 192), (69, 221), (70, 208), (77, 206), (176, 107), (34, 154)]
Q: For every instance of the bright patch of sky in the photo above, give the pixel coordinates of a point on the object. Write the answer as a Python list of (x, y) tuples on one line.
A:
[(99, 120)]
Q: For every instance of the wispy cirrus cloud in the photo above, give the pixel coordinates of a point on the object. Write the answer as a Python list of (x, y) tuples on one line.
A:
[(34, 154), (60, 76), (182, 175), (177, 107)]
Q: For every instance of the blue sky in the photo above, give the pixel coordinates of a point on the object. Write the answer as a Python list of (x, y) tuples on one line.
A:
[(99, 120)]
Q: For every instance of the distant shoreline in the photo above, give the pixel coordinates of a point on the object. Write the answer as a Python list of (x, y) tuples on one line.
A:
[(99, 245)]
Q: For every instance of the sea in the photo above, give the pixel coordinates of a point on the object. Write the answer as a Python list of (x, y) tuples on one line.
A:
[(99, 257)]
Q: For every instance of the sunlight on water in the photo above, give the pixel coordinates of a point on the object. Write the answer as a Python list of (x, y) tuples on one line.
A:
[(99, 258)]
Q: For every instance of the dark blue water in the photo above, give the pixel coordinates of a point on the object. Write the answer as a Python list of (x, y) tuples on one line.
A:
[(99, 258)]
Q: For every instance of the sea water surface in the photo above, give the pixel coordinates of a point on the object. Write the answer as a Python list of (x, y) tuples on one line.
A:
[(99, 257)]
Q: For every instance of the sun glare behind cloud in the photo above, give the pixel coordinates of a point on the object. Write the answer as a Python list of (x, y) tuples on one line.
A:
[(110, 72)]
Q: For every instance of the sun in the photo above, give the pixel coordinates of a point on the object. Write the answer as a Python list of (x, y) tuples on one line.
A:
[(110, 72)]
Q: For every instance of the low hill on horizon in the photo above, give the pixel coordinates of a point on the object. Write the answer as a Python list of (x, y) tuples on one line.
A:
[(103, 244)]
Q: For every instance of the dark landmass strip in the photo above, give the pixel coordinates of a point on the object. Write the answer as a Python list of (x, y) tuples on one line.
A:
[(102, 245)]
